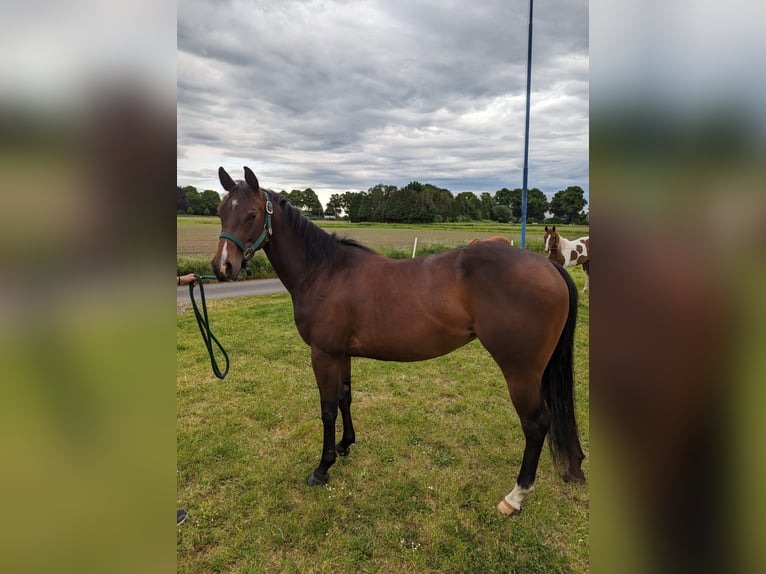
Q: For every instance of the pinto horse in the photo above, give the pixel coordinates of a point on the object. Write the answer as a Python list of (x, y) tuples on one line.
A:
[(568, 253), (349, 301)]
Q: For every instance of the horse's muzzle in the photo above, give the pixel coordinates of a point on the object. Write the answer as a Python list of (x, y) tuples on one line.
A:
[(224, 270)]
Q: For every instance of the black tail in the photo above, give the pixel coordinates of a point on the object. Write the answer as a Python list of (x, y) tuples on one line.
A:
[(558, 394)]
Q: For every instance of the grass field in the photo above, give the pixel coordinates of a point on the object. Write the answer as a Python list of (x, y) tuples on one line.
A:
[(197, 236), (438, 445)]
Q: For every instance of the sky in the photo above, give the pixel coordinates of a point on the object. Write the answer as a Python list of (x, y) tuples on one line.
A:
[(343, 95)]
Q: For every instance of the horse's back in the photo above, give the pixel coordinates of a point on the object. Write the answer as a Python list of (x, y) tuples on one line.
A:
[(515, 272), (486, 270)]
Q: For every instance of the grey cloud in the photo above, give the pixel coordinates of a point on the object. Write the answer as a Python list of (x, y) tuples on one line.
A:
[(347, 95)]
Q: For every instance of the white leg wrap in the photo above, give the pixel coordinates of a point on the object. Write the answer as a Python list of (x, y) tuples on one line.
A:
[(517, 495)]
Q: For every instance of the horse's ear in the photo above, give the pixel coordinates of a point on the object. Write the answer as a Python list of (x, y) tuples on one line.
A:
[(250, 178), (226, 181), (553, 229), (546, 229)]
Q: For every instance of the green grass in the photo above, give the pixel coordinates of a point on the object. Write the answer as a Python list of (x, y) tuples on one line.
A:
[(438, 445)]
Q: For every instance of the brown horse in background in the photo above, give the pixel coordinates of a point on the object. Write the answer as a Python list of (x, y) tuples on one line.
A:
[(498, 238), (348, 301)]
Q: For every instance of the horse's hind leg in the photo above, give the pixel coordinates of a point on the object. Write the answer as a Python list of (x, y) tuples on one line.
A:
[(344, 402), (535, 428), (535, 422), (586, 268)]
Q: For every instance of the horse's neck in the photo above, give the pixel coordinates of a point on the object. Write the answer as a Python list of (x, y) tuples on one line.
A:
[(561, 253), (286, 250), (278, 250), (284, 271)]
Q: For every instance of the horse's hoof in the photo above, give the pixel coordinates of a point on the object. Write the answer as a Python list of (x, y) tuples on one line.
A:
[(342, 450), (506, 508), (317, 479), (576, 477)]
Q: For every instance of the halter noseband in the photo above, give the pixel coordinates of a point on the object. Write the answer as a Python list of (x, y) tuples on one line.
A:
[(248, 252)]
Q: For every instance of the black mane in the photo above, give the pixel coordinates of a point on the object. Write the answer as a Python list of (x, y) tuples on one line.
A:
[(320, 247)]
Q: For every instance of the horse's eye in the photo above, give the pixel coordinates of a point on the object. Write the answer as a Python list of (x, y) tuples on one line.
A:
[(251, 216)]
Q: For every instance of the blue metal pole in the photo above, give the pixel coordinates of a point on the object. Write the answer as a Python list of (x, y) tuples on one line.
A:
[(526, 135)]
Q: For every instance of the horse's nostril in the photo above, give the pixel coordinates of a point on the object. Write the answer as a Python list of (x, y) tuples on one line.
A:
[(226, 270)]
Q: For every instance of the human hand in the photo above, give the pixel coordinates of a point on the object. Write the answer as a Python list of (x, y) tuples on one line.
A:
[(188, 279)]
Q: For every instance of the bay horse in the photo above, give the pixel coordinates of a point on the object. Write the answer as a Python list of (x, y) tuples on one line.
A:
[(568, 253), (349, 301)]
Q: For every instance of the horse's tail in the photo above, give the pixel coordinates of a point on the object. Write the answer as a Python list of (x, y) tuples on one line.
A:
[(558, 394)]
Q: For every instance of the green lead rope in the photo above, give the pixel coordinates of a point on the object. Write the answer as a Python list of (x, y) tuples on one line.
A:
[(204, 326)]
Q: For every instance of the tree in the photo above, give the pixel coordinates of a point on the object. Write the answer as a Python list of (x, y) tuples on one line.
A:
[(537, 204), (501, 213), (311, 202), (567, 204), (295, 197), (515, 196), (194, 204), (346, 200), (400, 206), (358, 206), (422, 200), (487, 203), (377, 197), (503, 197), (438, 203), (335, 206), (467, 206), (210, 200), (180, 200)]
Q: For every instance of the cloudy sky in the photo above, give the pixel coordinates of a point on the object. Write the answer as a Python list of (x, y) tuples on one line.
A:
[(340, 95)]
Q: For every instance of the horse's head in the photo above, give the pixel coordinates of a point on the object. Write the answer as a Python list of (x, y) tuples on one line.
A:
[(245, 215), (551, 240)]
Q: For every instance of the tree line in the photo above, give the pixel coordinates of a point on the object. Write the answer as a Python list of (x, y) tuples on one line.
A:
[(415, 203)]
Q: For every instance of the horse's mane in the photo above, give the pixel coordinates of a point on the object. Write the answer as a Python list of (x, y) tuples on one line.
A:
[(320, 247)]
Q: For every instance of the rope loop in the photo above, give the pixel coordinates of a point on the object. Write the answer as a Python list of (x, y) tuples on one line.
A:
[(204, 326)]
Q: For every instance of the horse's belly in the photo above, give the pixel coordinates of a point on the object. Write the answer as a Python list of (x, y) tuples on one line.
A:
[(578, 261), (406, 346)]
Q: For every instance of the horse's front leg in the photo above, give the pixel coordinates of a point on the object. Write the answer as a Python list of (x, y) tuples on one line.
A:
[(344, 402), (327, 370)]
